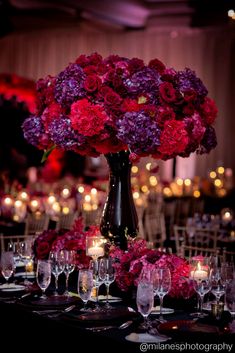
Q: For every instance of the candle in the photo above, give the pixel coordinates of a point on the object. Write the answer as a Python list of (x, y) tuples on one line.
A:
[(199, 274), (95, 251)]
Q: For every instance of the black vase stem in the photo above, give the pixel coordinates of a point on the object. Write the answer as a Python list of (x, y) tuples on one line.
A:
[(119, 217)]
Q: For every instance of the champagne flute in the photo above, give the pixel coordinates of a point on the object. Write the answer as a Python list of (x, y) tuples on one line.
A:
[(109, 278), (217, 283), (69, 266), (144, 300), (162, 285), (85, 285), (43, 276), (57, 266), (99, 270), (7, 265)]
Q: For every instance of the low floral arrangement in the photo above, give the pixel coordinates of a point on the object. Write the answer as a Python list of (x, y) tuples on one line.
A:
[(105, 105), (20, 89), (130, 264), (75, 239)]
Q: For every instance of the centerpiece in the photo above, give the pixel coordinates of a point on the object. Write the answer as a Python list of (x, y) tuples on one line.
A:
[(125, 110)]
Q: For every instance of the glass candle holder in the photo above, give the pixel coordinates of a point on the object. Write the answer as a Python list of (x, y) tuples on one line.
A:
[(95, 246)]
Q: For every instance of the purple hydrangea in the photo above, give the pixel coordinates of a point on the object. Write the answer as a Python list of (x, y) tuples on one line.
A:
[(63, 135), (144, 81), (208, 142), (34, 132), (70, 85), (187, 80), (139, 132)]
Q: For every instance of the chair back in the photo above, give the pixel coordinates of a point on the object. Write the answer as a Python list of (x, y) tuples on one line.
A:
[(188, 251), (154, 228), (65, 221), (36, 223), (14, 241)]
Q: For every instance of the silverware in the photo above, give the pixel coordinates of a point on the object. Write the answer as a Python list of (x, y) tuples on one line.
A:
[(54, 312), (109, 327)]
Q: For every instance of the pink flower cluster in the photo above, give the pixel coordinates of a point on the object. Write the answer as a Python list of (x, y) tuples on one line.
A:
[(105, 105), (74, 239), (130, 264)]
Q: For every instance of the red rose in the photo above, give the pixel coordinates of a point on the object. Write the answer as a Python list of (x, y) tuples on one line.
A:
[(112, 99), (92, 83), (52, 112), (174, 138), (135, 65), (42, 250), (167, 92), (188, 109), (163, 114), (157, 65), (71, 245), (209, 110), (131, 105), (190, 95)]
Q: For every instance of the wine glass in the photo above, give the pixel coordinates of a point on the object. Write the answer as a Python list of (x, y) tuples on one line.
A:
[(69, 266), (217, 283), (98, 269), (43, 276), (230, 302), (85, 285), (145, 300), (26, 255), (57, 266), (7, 265), (202, 285), (109, 278), (162, 285)]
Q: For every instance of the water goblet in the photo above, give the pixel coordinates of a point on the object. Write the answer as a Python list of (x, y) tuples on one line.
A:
[(43, 276), (202, 286), (85, 285), (145, 300), (7, 265)]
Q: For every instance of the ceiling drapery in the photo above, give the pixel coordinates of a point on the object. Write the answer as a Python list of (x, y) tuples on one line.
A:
[(211, 53)]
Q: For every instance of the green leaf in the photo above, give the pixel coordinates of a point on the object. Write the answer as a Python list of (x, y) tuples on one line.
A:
[(47, 153)]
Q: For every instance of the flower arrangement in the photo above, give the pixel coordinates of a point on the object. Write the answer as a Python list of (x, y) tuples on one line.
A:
[(75, 239), (105, 105), (130, 264)]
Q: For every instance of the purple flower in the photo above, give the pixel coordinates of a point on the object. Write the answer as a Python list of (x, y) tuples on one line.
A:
[(63, 135), (208, 142), (70, 85), (34, 132), (144, 81), (187, 80), (139, 131)]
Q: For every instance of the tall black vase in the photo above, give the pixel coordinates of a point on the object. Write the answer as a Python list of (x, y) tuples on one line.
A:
[(119, 217)]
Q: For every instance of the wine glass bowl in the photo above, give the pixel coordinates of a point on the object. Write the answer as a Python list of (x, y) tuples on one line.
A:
[(161, 278), (43, 276), (85, 285), (7, 265), (145, 300)]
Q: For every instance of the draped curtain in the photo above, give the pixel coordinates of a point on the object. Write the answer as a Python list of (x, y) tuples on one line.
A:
[(210, 52)]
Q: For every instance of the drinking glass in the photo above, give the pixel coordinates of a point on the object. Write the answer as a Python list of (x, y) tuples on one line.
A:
[(98, 269), (69, 266), (144, 300), (202, 285), (109, 278), (7, 265), (57, 266), (43, 275), (85, 285), (217, 283), (230, 302), (26, 255), (162, 285)]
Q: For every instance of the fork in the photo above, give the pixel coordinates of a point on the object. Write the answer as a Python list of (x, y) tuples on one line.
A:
[(54, 312), (109, 327)]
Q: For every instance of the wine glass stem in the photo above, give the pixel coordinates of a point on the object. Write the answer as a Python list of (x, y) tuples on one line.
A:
[(107, 294), (97, 296), (161, 305), (67, 283), (201, 302), (56, 284)]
